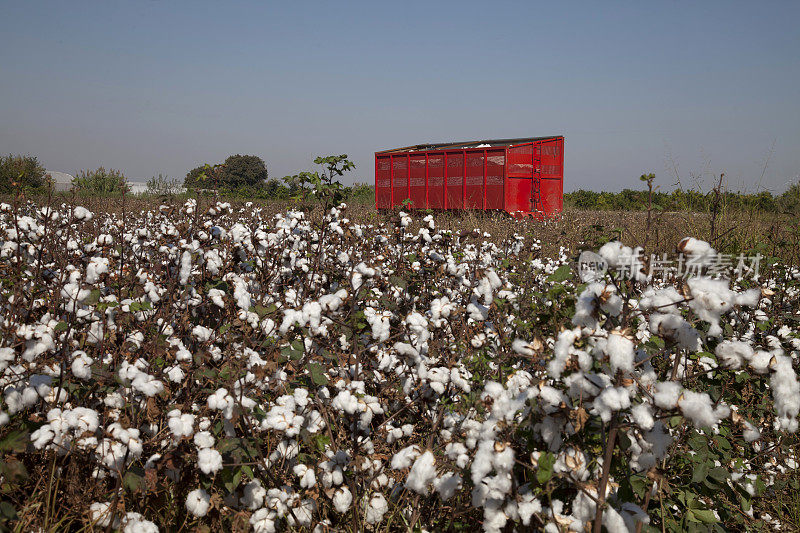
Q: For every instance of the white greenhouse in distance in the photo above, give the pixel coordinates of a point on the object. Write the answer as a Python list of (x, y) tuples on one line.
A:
[(63, 182)]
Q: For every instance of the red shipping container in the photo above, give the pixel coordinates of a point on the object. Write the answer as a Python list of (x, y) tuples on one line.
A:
[(524, 177)]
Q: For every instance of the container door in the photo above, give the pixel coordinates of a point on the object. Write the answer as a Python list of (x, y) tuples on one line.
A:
[(519, 192), (551, 173), (399, 179), (435, 180), (418, 193), (383, 182)]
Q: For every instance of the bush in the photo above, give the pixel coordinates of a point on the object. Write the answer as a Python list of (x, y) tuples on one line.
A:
[(24, 171), (163, 185), (237, 171), (100, 182), (243, 170)]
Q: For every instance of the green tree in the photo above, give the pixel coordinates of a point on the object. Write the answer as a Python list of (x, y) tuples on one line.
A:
[(243, 170), (100, 182), (21, 171)]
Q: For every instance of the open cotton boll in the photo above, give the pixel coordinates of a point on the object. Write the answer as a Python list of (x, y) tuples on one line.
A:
[(186, 267), (263, 521), (666, 394), (733, 354), (209, 461), (697, 407), (203, 439), (81, 365), (698, 251), (100, 515), (181, 424), (642, 415), (376, 508), (198, 502), (447, 485), (342, 499), (81, 213), (785, 393), (402, 459), (751, 433), (422, 473), (620, 352), (610, 400)]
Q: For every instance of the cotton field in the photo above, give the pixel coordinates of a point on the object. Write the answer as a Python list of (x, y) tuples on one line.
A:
[(216, 367)]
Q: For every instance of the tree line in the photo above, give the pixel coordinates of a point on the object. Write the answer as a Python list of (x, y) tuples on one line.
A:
[(247, 177)]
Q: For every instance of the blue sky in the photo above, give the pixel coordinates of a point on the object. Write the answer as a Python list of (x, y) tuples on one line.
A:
[(677, 88)]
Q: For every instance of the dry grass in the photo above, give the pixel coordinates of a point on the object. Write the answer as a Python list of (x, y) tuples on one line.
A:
[(772, 235)]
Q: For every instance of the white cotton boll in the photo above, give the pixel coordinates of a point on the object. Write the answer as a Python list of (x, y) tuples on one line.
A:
[(697, 407), (610, 400), (642, 415), (209, 461), (135, 523), (751, 433), (263, 521), (97, 266), (181, 425), (253, 495), (376, 508), (197, 502), (307, 476), (478, 312), (613, 521), (175, 373), (404, 457), (447, 485), (666, 394), (202, 333), (422, 473), (711, 298), (732, 354), (522, 347), (760, 362), (186, 267), (562, 351), (81, 213), (342, 499), (748, 298), (785, 393), (81, 365), (203, 439), (216, 297), (620, 352), (697, 250)]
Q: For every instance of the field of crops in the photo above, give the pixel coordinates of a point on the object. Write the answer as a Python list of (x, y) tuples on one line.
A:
[(217, 367)]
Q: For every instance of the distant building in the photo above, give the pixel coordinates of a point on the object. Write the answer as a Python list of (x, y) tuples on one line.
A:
[(61, 180)]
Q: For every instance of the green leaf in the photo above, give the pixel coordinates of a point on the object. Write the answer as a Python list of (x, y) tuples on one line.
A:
[(228, 445), (15, 442), (704, 515), (545, 468), (93, 297), (132, 481), (320, 441), (700, 473), (7, 511), (562, 273), (61, 326), (398, 281), (318, 375)]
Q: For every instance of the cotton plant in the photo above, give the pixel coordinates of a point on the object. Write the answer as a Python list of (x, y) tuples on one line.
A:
[(304, 371)]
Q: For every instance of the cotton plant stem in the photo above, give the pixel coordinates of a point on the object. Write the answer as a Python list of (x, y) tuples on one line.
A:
[(601, 489)]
